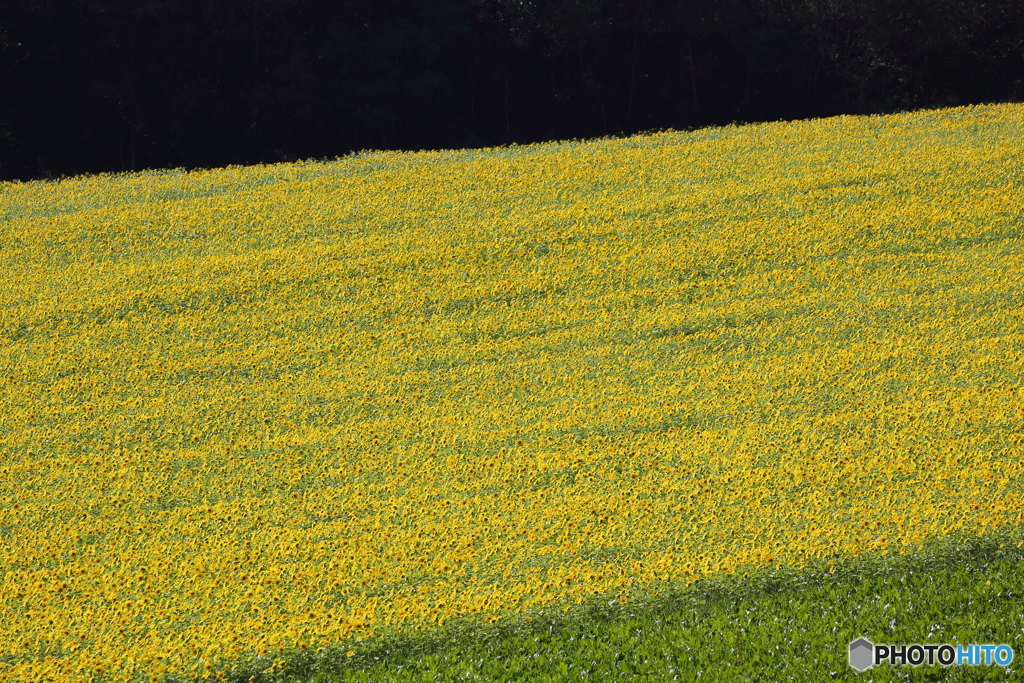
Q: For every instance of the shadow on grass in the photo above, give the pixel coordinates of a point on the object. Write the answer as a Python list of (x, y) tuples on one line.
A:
[(769, 624)]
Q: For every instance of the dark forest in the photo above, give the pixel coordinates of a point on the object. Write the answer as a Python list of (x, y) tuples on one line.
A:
[(90, 86)]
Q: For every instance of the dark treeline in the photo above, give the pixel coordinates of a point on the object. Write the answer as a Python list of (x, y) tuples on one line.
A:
[(111, 85)]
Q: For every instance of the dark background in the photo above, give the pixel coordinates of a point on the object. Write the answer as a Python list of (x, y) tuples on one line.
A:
[(112, 85)]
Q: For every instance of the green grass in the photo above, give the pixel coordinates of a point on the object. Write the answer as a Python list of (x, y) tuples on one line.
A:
[(781, 625)]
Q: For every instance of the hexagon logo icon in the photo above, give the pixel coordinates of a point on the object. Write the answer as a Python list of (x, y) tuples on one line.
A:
[(862, 654)]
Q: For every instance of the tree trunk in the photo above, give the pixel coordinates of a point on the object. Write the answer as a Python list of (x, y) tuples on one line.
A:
[(508, 129), (632, 78), (693, 74)]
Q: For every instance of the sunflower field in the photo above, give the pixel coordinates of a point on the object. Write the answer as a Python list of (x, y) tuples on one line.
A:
[(250, 410)]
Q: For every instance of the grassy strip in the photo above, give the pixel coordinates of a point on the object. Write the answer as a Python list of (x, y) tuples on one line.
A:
[(783, 624)]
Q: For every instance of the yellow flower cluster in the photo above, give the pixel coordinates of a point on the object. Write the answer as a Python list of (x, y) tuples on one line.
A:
[(254, 408)]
